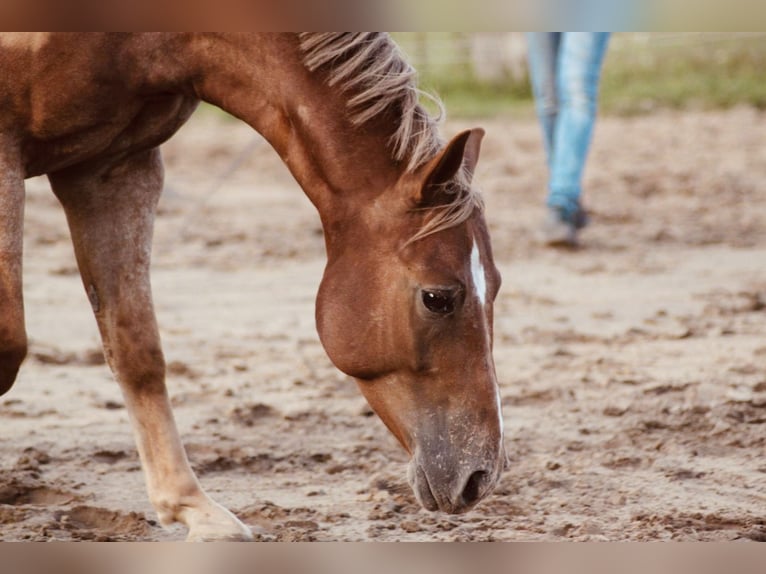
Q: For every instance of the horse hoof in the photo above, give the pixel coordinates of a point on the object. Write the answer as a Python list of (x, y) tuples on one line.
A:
[(244, 534), (219, 526)]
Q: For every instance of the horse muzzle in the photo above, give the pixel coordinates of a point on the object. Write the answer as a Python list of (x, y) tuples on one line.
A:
[(453, 489)]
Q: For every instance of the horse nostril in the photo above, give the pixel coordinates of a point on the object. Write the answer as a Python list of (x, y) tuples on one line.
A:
[(472, 490)]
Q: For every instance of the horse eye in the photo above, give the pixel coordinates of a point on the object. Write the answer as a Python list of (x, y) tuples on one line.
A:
[(441, 302)]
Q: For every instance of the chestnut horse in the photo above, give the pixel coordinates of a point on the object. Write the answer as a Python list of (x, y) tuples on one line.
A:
[(405, 303)]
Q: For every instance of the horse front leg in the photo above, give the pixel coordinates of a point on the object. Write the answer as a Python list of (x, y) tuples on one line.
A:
[(13, 338), (110, 212)]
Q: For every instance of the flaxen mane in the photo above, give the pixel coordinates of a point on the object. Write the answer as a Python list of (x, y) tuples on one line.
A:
[(370, 67)]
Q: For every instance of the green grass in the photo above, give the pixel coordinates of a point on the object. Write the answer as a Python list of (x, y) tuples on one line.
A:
[(465, 97), (442, 61), (642, 73), (702, 71)]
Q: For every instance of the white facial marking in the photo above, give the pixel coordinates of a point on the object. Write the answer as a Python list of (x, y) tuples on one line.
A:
[(25, 40), (304, 113), (477, 272), (480, 285)]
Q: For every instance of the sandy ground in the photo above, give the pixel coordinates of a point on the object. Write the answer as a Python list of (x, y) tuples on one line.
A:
[(632, 371)]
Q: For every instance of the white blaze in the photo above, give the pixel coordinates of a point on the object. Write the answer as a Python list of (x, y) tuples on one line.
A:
[(477, 272), (480, 286)]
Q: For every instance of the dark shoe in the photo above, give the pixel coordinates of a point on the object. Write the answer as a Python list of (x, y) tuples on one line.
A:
[(580, 218), (560, 227)]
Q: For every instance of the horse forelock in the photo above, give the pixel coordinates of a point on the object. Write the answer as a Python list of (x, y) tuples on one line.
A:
[(371, 68), (465, 200)]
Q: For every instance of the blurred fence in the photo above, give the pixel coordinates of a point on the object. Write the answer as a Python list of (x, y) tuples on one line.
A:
[(642, 70), (497, 55), (481, 55)]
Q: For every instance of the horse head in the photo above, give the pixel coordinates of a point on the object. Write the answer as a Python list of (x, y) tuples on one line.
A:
[(406, 308)]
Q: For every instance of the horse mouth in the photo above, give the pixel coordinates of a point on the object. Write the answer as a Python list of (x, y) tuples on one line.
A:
[(421, 487), (425, 495), (477, 486)]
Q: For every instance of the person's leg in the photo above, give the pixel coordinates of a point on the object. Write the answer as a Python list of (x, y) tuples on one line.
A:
[(580, 57), (542, 51)]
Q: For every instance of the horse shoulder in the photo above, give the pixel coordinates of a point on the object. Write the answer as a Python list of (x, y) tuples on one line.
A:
[(71, 97)]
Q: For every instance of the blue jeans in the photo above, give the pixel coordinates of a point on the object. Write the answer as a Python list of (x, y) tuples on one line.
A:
[(565, 68)]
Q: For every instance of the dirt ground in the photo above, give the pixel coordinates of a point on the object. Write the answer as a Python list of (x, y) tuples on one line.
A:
[(632, 370)]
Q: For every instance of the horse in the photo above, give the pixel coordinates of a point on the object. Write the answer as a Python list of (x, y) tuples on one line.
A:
[(405, 304)]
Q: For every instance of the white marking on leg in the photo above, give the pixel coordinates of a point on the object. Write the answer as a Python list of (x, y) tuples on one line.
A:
[(499, 412), (477, 272)]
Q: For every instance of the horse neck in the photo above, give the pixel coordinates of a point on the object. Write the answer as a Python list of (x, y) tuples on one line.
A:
[(261, 79)]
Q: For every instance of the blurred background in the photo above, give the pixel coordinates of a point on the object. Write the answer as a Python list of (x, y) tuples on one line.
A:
[(480, 74)]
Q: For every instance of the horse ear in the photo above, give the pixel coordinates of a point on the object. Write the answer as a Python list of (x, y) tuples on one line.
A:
[(460, 153)]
